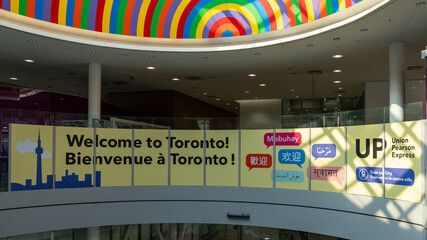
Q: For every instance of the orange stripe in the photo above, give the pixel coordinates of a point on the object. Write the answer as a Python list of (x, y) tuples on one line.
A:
[(78, 5), (31, 8), (128, 17), (291, 13), (226, 27), (322, 6), (162, 18)]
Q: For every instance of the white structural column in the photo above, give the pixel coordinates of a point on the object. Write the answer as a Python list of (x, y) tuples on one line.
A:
[(397, 81), (93, 233), (94, 92)]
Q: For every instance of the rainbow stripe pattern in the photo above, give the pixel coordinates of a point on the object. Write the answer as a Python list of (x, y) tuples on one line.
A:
[(188, 19)]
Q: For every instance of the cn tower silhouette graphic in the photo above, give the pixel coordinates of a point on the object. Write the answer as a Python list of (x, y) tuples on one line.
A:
[(39, 152)]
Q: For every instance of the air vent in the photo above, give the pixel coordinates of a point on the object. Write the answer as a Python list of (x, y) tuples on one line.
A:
[(340, 91), (413, 68), (315, 72), (193, 78), (120, 83)]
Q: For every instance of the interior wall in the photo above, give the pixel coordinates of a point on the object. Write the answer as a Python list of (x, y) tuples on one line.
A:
[(263, 113), (377, 96)]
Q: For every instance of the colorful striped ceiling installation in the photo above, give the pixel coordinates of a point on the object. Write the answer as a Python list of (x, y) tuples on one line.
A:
[(178, 18)]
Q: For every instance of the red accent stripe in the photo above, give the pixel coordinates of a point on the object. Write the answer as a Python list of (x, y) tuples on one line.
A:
[(291, 13), (1, 4), (162, 18), (78, 4), (149, 18), (31, 8), (270, 14), (54, 11), (347, 3), (303, 7), (181, 24), (128, 17), (225, 20), (99, 15)]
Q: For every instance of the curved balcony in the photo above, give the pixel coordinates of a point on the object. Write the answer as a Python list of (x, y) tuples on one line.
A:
[(244, 193)]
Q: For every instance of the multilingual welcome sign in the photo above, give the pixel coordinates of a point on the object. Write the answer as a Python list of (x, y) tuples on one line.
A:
[(374, 160)]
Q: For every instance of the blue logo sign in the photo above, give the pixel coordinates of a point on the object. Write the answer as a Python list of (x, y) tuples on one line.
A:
[(323, 151), (394, 176), (292, 156)]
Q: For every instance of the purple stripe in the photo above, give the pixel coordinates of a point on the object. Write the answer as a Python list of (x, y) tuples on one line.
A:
[(6, 5), (284, 12), (46, 10), (354, 2), (316, 9), (92, 14), (169, 17), (230, 14), (134, 18)]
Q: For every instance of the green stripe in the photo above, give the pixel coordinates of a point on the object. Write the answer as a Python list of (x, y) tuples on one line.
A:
[(244, 3), (297, 11), (23, 7), (155, 19), (85, 14), (329, 8), (121, 17)]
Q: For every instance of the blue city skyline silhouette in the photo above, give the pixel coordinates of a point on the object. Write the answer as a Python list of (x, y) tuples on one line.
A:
[(67, 181)]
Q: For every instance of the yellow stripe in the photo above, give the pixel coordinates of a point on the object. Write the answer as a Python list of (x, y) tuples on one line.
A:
[(310, 10), (107, 16), (277, 14), (62, 13), (223, 7), (177, 16), (141, 18), (342, 4), (14, 6)]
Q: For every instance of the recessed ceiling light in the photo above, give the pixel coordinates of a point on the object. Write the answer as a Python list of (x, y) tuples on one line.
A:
[(337, 71), (337, 81), (205, 93), (292, 90), (237, 108), (338, 56), (218, 99), (175, 79), (297, 96), (94, 51), (247, 91), (340, 88), (336, 38), (252, 75), (364, 30), (150, 68), (13, 78), (413, 87), (29, 60), (255, 98), (339, 95), (32, 41), (228, 104), (420, 4), (262, 85)]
